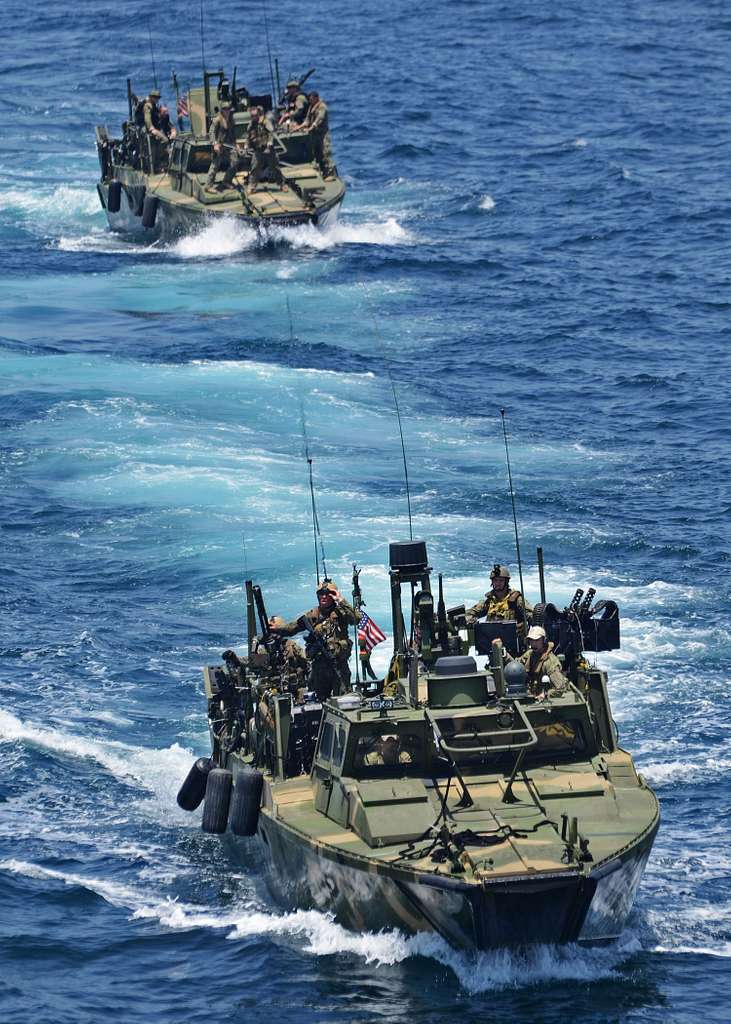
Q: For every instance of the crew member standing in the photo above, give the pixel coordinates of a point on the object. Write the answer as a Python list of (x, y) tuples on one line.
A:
[(328, 644), (226, 155), (318, 126), (501, 603)]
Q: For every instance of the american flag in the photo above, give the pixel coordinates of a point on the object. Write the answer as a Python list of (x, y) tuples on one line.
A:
[(368, 632), (182, 106)]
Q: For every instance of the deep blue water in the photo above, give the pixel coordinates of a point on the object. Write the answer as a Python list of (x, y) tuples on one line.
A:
[(538, 219)]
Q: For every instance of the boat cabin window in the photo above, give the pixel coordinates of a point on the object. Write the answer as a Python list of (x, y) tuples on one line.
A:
[(176, 155), (388, 752), (477, 740), (198, 158), (324, 749), (333, 742)]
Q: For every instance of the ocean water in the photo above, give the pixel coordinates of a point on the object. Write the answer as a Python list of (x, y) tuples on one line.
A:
[(538, 219)]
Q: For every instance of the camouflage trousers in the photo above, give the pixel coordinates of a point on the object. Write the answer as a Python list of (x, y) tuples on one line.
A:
[(263, 163), (228, 160), (328, 677), (322, 146)]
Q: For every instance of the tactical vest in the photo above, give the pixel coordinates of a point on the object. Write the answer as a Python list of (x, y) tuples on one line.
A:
[(503, 608)]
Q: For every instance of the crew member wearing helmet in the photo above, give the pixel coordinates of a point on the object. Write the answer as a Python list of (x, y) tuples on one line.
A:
[(501, 603), (544, 675), (295, 106), (151, 113), (260, 142), (328, 643), (226, 155)]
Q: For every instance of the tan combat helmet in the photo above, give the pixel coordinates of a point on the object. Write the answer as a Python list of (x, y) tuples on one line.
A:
[(293, 84), (536, 633), (154, 94), (326, 586), (500, 572)]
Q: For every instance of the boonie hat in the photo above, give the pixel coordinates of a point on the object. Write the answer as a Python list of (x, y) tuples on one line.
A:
[(536, 633)]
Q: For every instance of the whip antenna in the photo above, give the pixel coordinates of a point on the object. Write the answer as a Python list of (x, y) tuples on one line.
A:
[(396, 406), (203, 49), (316, 534), (269, 54), (512, 500), (152, 57)]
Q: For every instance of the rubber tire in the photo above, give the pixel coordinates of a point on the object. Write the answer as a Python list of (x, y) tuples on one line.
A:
[(218, 797), (140, 204), (114, 196), (193, 790), (245, 802), (149, 211)]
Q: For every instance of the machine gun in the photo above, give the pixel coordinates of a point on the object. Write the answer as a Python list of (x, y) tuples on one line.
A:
[(580, 626), (271, 640), (314, 643), (300, 82)]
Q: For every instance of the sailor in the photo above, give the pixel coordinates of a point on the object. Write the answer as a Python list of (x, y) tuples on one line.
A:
[(226, 155), (151, 114), (364, 656), (317, 125), (501, 603), (545, 677), (166, 125), (260, 142), (295, 106), (328, 643)]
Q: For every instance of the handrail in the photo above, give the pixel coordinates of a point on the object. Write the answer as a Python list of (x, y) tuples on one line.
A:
[(490, 748)]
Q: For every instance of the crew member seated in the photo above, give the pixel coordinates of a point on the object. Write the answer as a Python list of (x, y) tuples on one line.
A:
[(543, 668), (387, 751)]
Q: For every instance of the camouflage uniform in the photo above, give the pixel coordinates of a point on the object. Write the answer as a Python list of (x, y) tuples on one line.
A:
[(259, 140), (545, 663), (151, 113), (318, 127), (296, 108), (327, 674), (224, 133)]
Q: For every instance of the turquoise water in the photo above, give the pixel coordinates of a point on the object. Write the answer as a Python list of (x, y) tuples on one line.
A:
[(537, 219)]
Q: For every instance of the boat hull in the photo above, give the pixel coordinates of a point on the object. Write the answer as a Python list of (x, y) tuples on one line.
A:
[(174, 222), (560, 907)]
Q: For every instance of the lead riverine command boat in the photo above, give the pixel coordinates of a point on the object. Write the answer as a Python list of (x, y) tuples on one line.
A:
[(148, 186), (443, 798)]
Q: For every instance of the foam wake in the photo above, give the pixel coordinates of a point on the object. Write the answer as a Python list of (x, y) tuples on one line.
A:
[(317, 934), (227, 237), (158, 772)]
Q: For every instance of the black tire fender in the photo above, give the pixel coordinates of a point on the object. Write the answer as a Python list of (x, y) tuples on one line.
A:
[(218, 797), (193, 790), (246, 802), (114, 196), (149, 211)]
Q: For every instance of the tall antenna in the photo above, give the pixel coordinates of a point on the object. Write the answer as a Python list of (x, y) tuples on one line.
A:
[(275, 98), (152, 57), (203, 47), (512, 499), (396, 406), (289, 317), (316, 534)]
